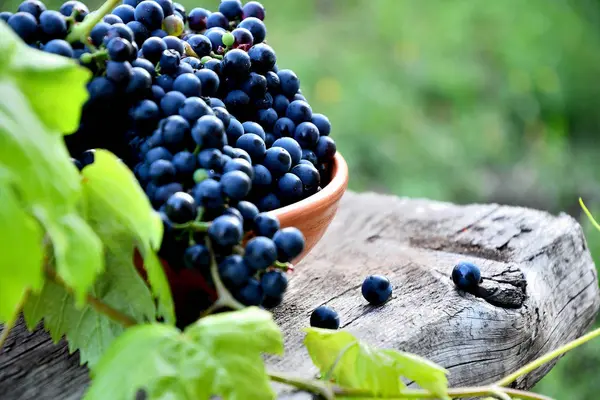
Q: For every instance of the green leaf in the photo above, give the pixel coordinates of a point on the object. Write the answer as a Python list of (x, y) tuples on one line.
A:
[(53, 84), (22, 254), (219, 355), (352, 364), (118, 199), (36, 164)]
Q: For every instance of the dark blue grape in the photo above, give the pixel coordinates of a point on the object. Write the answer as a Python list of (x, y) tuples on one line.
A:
[(253, 145), (255, 85), (253, 127), (192, 61), (376, 289), (188, 84), (223, 115), (263, 57), (237, 102), (208, 194), (201, 45), (119, 49), (260, 253), (268, 203), (33, 7), (325, 149), (5, 15), (256, 27), (249, 212), (145, 114), (197, 257), (325, 318), (215, 102), (162, 172), (140, 83), (266, 225), (232, 9), (233, 271), (68, 7), (174, 43), (278, 161), (309, 155), (280, 104), (309, 176), (210, 159), (253, 9), (267, 119), (184, 68), (292, 147), (53, 25), (234, 131), (150, 14), (157, 93), (466, 276), (236, 184), (153, 49), (289, 242), (193, 108), (25, 25), (87, 158), (217, 20), (119, 72), (197, 19), (125, 12), (171, 103), (243, 154), (166, 82), (251, 294), (236, 64), (119, 30), (290, 188), (167, 7), (289, 82), (185, 163), (140, 32), (274, 283), (208, 132), (63, 48), (307, 135), (215, 34), (238, 164), (157, 153), (263, 179), (180, 10), (101, 89), (242, 39), (162, 193), (112, 19), (169, 60), (181, 208), (209, 80), (226, 231), (299, 96), (175, 131), (145, 64), (299, 111)]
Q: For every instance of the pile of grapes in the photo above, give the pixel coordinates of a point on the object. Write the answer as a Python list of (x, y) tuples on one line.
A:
[(217, 135)]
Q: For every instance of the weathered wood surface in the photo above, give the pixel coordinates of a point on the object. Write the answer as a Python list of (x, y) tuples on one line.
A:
[(540, 290)]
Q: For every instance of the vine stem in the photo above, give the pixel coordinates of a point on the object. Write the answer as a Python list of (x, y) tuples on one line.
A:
[(95, 303), (548, 357), (80, 32), (330, 391)]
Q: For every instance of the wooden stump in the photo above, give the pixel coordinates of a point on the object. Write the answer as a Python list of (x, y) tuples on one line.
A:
[(540, 290)]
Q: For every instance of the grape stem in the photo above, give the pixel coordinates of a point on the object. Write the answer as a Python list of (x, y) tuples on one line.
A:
[(93, 302), (224, 298), (81, 32), (331, 391)]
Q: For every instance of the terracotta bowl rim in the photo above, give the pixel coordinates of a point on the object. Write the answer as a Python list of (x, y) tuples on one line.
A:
[(328, 195)]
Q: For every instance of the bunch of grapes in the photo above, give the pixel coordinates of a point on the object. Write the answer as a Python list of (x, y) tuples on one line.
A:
[(217, 135)]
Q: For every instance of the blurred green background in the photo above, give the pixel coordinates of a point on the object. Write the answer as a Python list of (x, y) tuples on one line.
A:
[(465, 101)]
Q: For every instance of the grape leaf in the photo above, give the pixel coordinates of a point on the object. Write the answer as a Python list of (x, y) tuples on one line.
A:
[(218, 355), (21, 256), (352, 364), (117, 195), (51, 83)]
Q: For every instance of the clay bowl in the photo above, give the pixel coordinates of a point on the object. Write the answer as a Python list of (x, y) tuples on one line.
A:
[(312, 216)]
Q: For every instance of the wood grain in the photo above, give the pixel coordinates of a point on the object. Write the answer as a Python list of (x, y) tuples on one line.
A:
[(540, 290)]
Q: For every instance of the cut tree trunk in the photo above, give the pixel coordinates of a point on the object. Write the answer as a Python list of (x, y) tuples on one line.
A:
[(540, 290)]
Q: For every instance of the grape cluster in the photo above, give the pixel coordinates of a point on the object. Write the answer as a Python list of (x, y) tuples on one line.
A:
[(217, 135)]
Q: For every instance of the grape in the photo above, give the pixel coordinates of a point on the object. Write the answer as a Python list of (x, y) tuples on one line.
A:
[(226, 231), (140, 83), (215, 35), (260, 253), (157, 153), (251, 294), (112, 19), (125, 12), (234, 131), (184, 68), (157, 93), (217, 20), (24, 25), (166, 83), (223, 115), (120, 49), (33, 7), (300, 111), (53, 25), (249, 212), (208, 194), (289, 82), (208, 132), (280, 104), (267, 118), (236, 102), (196, 257), (242, 38), (326, 149), (200, 44), (299, 96), (150, 14), (68, 7), (290, 188), (292, 147), (256, 27), (269, 202), (310, 177), (174, 43), (310, 156), (193, 108), (210, 159), (255, 85), (466, 276), (253, 127), (193, 62), (163, 193), (167, 7), (145, 114), (5, 15), (119, 30), (278, 161), (181, 208), (232, 9), (162, 171), (253, 145), (188, 84), (87, 158), (140, 32), (266, 225), (60, 47), (175, 131), (289, 242), (233, 271), (307, 135), (262, 178), (236, 64), (274, 283), (376, 289), (119, 72), (153, 49), (180, 10), (236, 184), (169, 61), (197, 19), (263, 57), (101, 89), (239, 164), (325, 318)]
